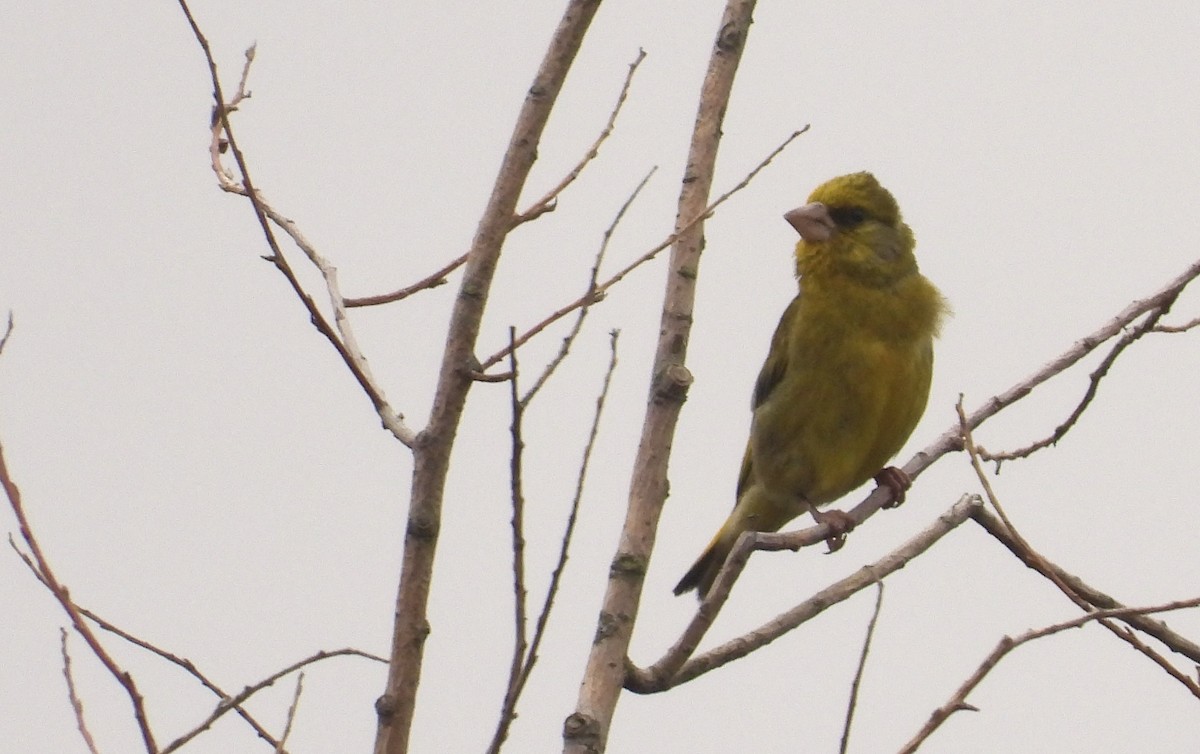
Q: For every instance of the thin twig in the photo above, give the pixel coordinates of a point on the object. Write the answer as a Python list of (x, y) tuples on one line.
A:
[(187, 665), (543, 619), (1190, 324), (430, 281), (594, 295), (7, 332), (342, 338), (1127, 339), (232, 702), (539, 208), (1031, 555), (570, 337), (73, 695), (81, 627), (547, 202), (958, 700), (291, 715), (858, 673), (520, 595), (1095, 597)]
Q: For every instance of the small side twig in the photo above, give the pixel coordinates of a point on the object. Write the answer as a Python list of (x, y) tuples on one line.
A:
[(342, 338), (430, 281), (958, 700), (7, 332), (537, 209), (1034, 557), (291, 715), (1189, 325), (520, 595), (577, 327), (1159, 630), (547, 202), (591, 296), (233, 702), (187, 665), (858, 673), (73, 695), (1146, 325), (59, 590), (543, 619)]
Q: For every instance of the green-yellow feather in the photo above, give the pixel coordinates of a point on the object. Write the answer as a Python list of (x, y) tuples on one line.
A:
[(847, 375)]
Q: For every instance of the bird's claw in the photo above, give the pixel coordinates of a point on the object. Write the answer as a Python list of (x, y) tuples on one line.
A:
[(840, 524), (895, 480)]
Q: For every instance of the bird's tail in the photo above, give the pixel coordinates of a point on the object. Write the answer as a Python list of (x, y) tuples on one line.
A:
[(704, 571), (755, 511)]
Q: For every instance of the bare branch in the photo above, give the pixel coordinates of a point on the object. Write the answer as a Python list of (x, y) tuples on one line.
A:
[(1189, 325), (187, 665), (233, 702), (576, 328), (520, 595), (1033, 556), (7, 332), (546, 203), (431, 281), (342, 339), (543, 619), (1078, 587), (858, 673), (76, 704), (59, 590), (675, 668), (291, 715), (396, 707), (958, 700), (1145, 326), (539, 208), (585, 731), (692, 225)]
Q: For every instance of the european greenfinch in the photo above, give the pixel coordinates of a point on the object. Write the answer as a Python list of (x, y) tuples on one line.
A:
[(847, 375)]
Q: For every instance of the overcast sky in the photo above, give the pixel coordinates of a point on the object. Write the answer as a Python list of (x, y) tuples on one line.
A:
[(203, 471)]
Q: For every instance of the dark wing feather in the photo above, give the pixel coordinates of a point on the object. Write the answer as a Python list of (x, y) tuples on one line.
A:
[(769, 376)]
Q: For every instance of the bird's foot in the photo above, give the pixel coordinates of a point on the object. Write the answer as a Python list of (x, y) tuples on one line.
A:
[(840, 524), (895, 480)]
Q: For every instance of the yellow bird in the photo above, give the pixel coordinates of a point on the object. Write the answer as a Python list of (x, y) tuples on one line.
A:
[(847, 375)]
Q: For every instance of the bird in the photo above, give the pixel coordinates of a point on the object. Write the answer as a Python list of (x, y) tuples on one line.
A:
[(847, 373)]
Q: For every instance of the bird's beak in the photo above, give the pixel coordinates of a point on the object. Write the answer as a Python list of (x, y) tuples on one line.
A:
[(812, 221)]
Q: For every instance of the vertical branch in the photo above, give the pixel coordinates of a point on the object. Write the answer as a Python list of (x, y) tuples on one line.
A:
[(586, 730), (520, 594), (524, 664), (396, 707)]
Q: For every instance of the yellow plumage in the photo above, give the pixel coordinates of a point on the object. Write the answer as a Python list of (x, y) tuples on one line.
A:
[(847, 375)]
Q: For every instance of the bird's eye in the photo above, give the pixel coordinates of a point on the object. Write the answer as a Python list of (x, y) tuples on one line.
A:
[(847, 217)]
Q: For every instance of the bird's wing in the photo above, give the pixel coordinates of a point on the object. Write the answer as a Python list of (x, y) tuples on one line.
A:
[(772, 372)]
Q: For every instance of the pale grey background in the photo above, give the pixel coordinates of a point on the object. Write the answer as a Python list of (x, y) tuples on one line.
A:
[(204, 472)]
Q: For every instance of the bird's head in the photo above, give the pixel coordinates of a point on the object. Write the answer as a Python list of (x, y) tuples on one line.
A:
[(852, 227)]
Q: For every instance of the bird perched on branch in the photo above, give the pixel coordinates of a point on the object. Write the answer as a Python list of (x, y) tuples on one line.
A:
[(847, 375)]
